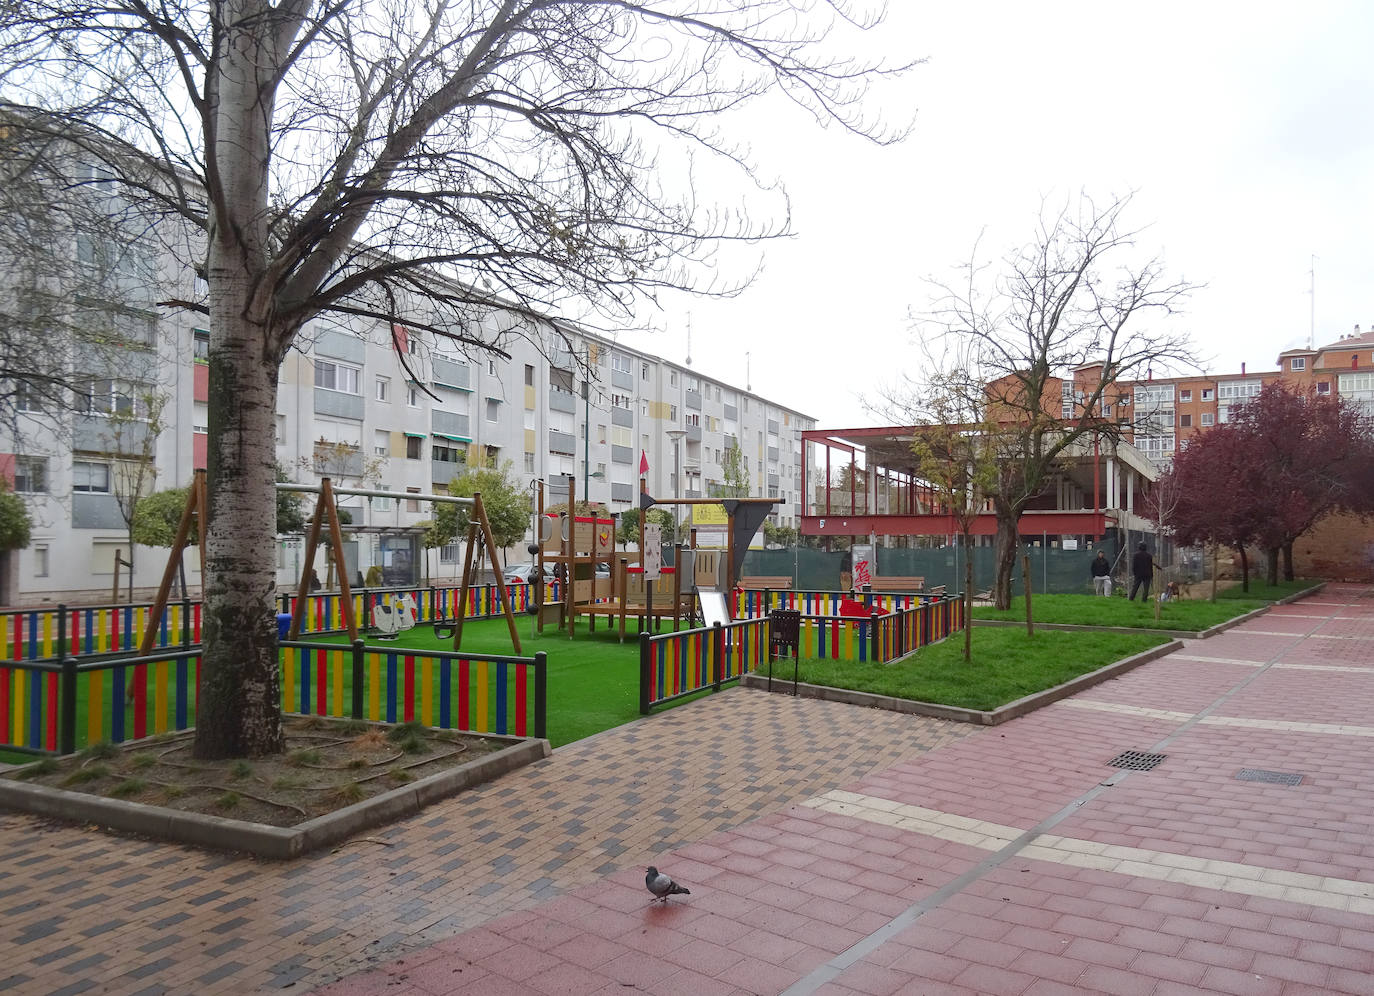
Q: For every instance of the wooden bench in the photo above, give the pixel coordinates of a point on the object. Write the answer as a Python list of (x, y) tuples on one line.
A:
[(897, 584), (772, 583)]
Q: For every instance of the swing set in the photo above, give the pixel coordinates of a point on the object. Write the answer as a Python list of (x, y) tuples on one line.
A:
[(196, 513)]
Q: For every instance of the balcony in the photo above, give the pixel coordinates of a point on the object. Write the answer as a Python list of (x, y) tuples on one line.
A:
[(449, 423), (622, 416), (338, 404), (622, 454), (562, 442), (561, 402), (693, 434), (694, 399), (451, 374)]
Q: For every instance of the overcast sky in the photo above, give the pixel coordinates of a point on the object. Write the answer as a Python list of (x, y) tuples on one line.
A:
[(1244, 128)]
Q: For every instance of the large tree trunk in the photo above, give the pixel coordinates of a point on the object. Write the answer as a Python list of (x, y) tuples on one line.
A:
[(1008, 540), (1288, 561), (1244, 567), (238, 713), (1271, 566)]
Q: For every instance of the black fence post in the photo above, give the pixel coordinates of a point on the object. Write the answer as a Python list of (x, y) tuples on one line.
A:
[(645, 672), (62, 632), (185, 623), (874, 626), (716, 634), (67, 740), (358, 679), (771, 645), (541, 694)]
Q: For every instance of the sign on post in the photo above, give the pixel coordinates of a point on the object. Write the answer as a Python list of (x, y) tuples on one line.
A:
[(652, 554)]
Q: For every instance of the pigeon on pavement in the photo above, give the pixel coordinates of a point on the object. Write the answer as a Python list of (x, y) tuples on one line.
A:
[(662, 886)]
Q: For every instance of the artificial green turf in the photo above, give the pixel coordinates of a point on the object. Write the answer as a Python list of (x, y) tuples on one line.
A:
[(1192, 615), (593, 679), (1006, 666)]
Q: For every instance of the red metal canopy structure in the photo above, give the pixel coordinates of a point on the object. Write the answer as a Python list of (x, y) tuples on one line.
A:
[(873, 489)]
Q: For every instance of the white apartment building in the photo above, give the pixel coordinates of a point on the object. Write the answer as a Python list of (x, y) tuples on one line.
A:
[(349, 409)]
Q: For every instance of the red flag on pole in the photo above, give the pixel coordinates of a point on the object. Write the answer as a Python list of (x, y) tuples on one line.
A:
[(643, 462)]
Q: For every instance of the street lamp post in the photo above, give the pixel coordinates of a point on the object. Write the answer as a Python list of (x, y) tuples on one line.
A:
[(676, 436)]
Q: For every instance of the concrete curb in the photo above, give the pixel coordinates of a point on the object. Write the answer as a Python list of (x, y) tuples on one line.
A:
[(994, 717), (256, 838)]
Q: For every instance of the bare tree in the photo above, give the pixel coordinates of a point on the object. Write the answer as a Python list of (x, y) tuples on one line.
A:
[(333, 157), (131, 434), (955, 455), (1073, 298)]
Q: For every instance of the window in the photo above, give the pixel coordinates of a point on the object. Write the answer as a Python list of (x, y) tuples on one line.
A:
[(493, 410), (336, 377), (281, 429), (693, 419), (31, 474), (91, 477), (40, 561), (644, 371), (200, 418), (412, 504), (1185, 395), (672, 378), (529, 375), (413, 397), (493, 455), (491, 365), (381, 442), (1298, 363), (672, 413), (448, 454), (414, 448), (378, 503), (27, 399), (104, 396), (621, 401), (621, 362), (1208, 418), (1323, 387), (1185, 421), (383, 391), (529, 463), (200, 345), (1207, 394), (1239, 389)]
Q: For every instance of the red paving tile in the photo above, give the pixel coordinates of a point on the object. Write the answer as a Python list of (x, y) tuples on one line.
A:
[(777, 895)]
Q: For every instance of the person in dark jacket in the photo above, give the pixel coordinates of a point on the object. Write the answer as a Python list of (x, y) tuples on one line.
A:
[(1102, 574), (1143, 567)]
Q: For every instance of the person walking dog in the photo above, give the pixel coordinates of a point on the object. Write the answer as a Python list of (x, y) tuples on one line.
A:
[(1143, 567)]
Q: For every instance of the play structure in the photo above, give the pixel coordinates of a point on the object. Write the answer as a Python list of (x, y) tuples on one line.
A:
[(635, 584), (390, 614)]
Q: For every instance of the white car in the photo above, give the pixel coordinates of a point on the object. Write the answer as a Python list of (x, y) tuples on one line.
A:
[(521, 573)]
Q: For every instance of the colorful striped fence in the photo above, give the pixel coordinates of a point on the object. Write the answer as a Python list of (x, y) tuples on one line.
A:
[(820, 603), (47, 707), (676, 664), (39, 633), (480, 693)]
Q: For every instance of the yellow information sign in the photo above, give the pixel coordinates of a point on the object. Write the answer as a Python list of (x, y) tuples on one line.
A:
[(709, 515)]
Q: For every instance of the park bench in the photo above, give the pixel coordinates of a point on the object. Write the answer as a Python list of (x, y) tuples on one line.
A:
[(769, 583), (896, 583)]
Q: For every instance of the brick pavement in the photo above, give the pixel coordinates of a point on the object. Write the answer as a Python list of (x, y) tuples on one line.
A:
[(85, 912), (1016, 860)]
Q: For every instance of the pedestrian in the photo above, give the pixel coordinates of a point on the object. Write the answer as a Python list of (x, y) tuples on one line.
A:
[(314, 580), (1143, 567), (1102, 574)]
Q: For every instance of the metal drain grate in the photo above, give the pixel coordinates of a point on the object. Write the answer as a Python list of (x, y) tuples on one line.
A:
[(1136, 760), (1269, 777)]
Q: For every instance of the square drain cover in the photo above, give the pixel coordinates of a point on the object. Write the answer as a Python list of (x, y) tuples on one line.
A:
[(1136, 760), (1269, 777)]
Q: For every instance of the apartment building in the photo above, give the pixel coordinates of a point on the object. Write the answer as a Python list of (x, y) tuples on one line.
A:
[(370, 404), (1162, 413)]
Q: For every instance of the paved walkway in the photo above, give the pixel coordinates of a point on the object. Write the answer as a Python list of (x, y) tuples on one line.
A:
[(830, 849)]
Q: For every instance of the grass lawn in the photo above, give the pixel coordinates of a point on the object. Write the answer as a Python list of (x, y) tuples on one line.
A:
[(1006, 665), (1188, 614), (1260, 590)]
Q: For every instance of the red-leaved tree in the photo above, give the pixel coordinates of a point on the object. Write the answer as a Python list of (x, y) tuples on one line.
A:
[(1309, 449), (1279, 464)]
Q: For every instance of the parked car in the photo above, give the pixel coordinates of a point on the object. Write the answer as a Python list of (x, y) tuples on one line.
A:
[(522, 573)]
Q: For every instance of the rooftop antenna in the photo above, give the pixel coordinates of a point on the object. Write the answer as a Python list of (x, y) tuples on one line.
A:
[(1312, 304), (689, 338)]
